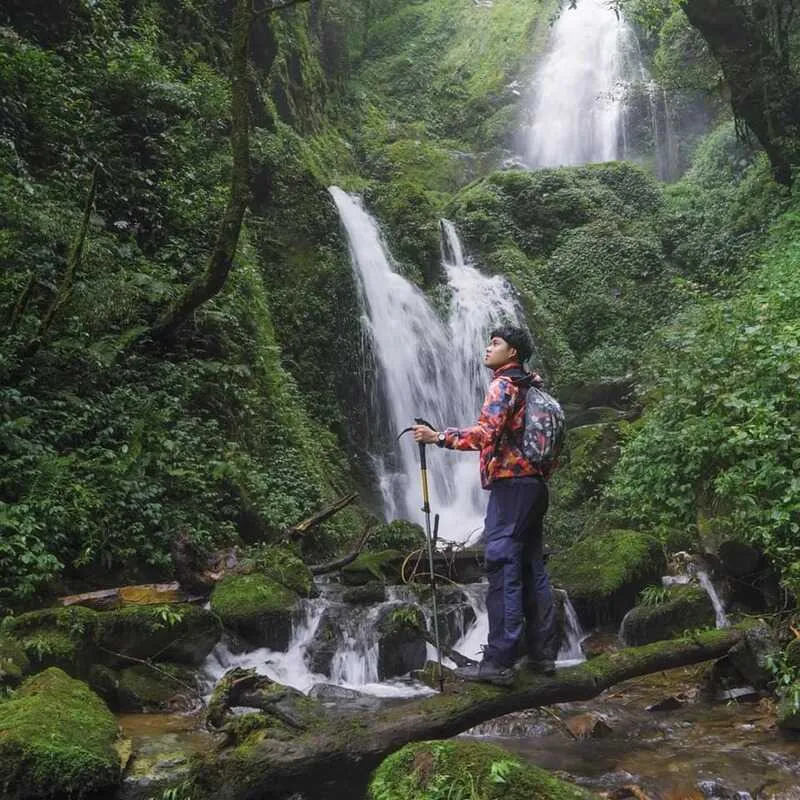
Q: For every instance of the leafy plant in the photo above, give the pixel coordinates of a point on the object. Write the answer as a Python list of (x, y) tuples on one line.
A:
[(787, 679), (654, 595)]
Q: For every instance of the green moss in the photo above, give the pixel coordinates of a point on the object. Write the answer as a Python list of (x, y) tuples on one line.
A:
[(686, 608), (257, 607), (61, 637), (283, 566), (792, 653), (142, 688), (605, 572), (57, 740), (433, 770), (183, 633), (14, 662), (381, 564)]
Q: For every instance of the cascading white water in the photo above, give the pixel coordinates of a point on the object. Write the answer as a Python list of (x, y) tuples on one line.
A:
[(426, 367), (716, 602), (576, 109)]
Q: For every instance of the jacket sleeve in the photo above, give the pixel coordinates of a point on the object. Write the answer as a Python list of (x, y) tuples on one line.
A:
[(497, 407)]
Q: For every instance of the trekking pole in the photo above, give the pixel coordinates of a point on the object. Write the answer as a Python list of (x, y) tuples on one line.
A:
[(429, 536)]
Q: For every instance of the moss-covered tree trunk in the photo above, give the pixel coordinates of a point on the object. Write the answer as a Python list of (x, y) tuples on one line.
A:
[(219, 264), (331, 755), (765, 94)]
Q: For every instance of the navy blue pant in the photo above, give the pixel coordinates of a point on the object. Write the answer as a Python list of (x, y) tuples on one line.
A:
[(519, 601)]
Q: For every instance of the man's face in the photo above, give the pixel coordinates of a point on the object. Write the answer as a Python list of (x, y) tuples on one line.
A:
[(498, 353)]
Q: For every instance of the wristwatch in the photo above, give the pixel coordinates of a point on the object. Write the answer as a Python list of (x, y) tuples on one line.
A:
[(440, 440)]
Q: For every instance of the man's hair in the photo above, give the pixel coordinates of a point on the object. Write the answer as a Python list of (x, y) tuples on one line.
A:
[(518, 339)]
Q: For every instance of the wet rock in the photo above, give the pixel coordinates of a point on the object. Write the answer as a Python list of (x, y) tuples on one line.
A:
[(740, 694), (598, 643), (337, 696), (717, 790), (57, 739), (455, 612), (368, 594), (257, 608), (739, 559), (749, 656), (383, 565), (788, 712), (605, 572), (590, 725), (401, 642), (321, 650), (667, 704), (185, 634), (687, 608), (169, 688)]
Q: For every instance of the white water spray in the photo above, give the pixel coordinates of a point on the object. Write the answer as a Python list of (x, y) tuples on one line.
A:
[(426, 367), (576, 113)]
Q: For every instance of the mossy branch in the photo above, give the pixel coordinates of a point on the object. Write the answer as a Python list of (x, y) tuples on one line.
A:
[(335, 758)]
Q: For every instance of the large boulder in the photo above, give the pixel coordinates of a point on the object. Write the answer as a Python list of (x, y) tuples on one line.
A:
[(604, 573), (75, 638), (171, 687), (55, 637), (401, 641), (456, 614), (685, 608), (185, 634), (257, 608), (57, 739), (473, 769)]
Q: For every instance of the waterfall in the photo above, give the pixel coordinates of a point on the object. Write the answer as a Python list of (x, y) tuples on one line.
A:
[(575, 114), (426, 367), (719, 610)]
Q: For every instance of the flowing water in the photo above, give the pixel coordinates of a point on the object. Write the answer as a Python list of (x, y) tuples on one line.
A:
[(716, 602), (576, 113), (426, 366)]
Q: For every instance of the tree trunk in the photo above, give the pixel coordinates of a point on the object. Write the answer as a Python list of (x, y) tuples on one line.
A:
[(219, 265), (764, 93), (331, 754)]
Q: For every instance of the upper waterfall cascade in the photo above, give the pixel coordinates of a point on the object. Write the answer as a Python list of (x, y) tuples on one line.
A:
[(426, 366), (576, 114)]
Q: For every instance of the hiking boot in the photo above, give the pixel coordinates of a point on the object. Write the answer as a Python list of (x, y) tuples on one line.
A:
[(487, 672), (536, 666)]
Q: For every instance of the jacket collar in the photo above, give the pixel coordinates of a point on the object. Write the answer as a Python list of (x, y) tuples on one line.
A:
[(513, 366)]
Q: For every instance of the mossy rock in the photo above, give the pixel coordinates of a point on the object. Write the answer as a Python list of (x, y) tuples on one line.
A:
[(55, 637), (604, 573), (792, 653), (788, 712), (399, 534), (185, 634), (256, 607), (383, 565), (14, 663), (401, 641), (423, 770), (57, 740), (285, 567), (370, 593), (142, 688), (685, 608), (324, 644)]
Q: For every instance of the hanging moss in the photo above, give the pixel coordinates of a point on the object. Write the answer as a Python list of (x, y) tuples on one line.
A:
[(57, 740)]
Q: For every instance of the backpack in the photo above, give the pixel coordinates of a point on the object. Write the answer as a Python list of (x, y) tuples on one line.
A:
[(545, 425), (545, 429)]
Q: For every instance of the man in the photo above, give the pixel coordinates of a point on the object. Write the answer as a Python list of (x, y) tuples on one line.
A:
[(519, 600)]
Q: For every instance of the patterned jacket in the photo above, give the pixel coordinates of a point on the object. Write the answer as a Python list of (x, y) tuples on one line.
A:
[(498, 433)]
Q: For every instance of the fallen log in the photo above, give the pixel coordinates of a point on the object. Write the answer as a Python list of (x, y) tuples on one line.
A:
[(333, 758), (139, 595), (301, 528)]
